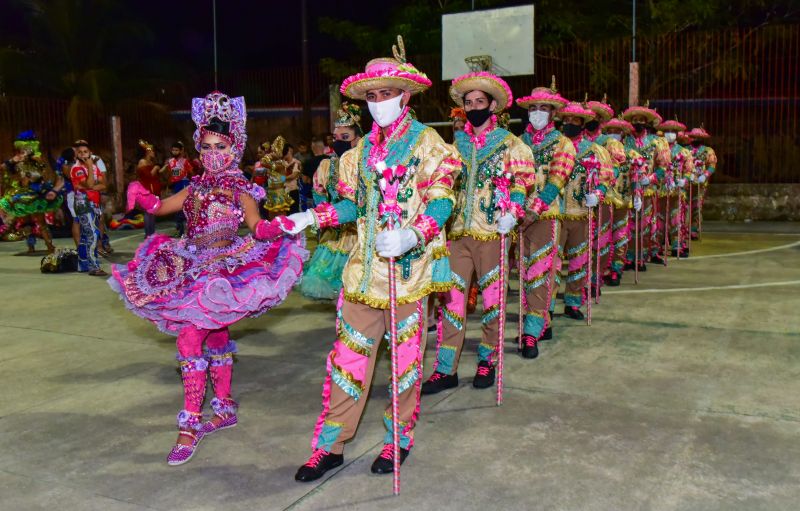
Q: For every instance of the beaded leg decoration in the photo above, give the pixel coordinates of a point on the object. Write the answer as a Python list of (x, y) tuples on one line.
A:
[(189, 426)]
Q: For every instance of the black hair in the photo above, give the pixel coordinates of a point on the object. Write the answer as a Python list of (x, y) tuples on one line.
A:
[(286, 149), (140, 153), (317, 138), (178, 145), (68, 154), (82, 143), (489, 97), (215, 125)]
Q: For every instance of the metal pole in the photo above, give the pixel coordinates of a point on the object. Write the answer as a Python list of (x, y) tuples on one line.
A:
[(119, 170), (306, 83), (214, 17)]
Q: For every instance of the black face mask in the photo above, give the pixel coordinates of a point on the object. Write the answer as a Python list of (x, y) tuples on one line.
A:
[(571, 131), (341, 146), (697, 143), (592, 125), (639, 127), (478, 117)]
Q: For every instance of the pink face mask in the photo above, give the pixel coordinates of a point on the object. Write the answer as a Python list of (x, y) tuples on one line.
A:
[(216, 162)]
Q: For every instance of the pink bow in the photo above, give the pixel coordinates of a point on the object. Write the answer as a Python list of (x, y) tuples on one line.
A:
[(389, 185), (502, 184)]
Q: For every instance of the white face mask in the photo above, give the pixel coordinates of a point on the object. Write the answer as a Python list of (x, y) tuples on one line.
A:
[(671, 136), (615, 136), (386, 112), (539, 119)]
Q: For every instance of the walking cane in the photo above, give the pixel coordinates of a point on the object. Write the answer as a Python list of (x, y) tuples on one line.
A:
[(689, 222), (591, 184), (390, 212), (680, 224), (699, 213), (502, 193), (522, 298), (599, 235), (666, 230)]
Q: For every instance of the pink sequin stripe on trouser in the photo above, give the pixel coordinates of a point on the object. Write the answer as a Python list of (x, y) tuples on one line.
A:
[(360, 332), (605, 213), (469, 256), (574, 245), (621, 236), (540, 248)]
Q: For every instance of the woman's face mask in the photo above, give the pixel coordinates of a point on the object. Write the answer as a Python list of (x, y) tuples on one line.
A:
[(215, 161), (671, 136)]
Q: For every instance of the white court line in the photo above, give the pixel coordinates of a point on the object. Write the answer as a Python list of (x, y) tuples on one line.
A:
[(707, 288), (747, 252)]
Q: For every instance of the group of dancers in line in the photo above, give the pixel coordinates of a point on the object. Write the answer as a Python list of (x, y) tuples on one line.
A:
[(406, 217)]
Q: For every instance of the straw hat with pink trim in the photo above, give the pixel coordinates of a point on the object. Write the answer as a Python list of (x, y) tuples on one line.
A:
[(543, 95), (618, 123), (484, 81), (672, 125), (699, 133), (386, 72), (645, 111), (601, 108), (575, 109)]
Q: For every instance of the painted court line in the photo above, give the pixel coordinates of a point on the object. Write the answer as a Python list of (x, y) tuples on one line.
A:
[(707, 288), (746, 252)]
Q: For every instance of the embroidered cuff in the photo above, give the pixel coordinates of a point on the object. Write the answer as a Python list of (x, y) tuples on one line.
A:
[(426, 228), (539, 206), (326, 215)]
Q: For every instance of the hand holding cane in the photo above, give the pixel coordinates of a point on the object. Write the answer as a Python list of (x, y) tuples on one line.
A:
[(502, 194), (390, 215)]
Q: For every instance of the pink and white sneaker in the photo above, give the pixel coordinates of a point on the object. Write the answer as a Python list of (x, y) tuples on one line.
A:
[(225, 409)]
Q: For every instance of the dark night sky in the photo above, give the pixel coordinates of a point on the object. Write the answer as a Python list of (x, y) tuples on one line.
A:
[(252, 34)]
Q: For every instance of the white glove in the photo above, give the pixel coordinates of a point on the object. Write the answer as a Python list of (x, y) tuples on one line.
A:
[(702, 178), (637, 203), (506, 222), (300, 220), (681, 182), (644, 181), (591, 200), (396, 242)]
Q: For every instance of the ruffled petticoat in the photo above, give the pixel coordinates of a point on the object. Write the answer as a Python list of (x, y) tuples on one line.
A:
[(174, 284), (323, 275), (28, 202)]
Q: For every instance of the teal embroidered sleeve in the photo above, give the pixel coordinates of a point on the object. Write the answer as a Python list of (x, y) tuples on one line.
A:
[(439, 210), (345, 211), (548, 193)]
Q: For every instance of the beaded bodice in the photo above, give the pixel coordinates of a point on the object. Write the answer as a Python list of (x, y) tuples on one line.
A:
[(214, 210)]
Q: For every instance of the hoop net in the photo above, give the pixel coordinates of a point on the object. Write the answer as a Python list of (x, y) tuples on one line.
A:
[(479, 62)]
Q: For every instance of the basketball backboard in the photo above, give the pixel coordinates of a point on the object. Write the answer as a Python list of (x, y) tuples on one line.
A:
[(505, 35)]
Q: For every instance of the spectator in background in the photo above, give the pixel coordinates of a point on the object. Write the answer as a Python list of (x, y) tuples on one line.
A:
[(302, 153), (328, 139), (180, 170), (309, 168), (87, 183), (293, 174), (105, 244), (147, 173)]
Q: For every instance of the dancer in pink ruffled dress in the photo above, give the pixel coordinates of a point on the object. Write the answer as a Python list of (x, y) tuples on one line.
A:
[(198, 285)]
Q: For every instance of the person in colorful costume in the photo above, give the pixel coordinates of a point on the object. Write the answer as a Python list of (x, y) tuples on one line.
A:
[(180, 170), (616, 129), (277, 201), (323, 276), (656, 153), (705, 164), (591, 179), (554, 159), (459, 119), (401, 146), (604, 218), (196, 286), (681, 169), (496, 166), (32, 190)]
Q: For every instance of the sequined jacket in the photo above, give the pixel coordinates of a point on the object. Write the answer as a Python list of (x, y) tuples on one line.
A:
[(554, 161)]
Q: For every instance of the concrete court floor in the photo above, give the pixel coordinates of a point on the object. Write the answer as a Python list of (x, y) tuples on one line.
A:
[(684, 394)]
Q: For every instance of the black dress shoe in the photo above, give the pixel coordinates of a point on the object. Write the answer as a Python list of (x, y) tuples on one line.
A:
[(614, 279), (439, 382), (630, 265), (384, 463), (657, 259), (598, 290), (548, 334), (642, 267), (530, 348), (484, 376), (316, 466), (573, 312)]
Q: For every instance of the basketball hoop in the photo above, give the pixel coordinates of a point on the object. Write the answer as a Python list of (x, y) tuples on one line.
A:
[(479, 63)]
